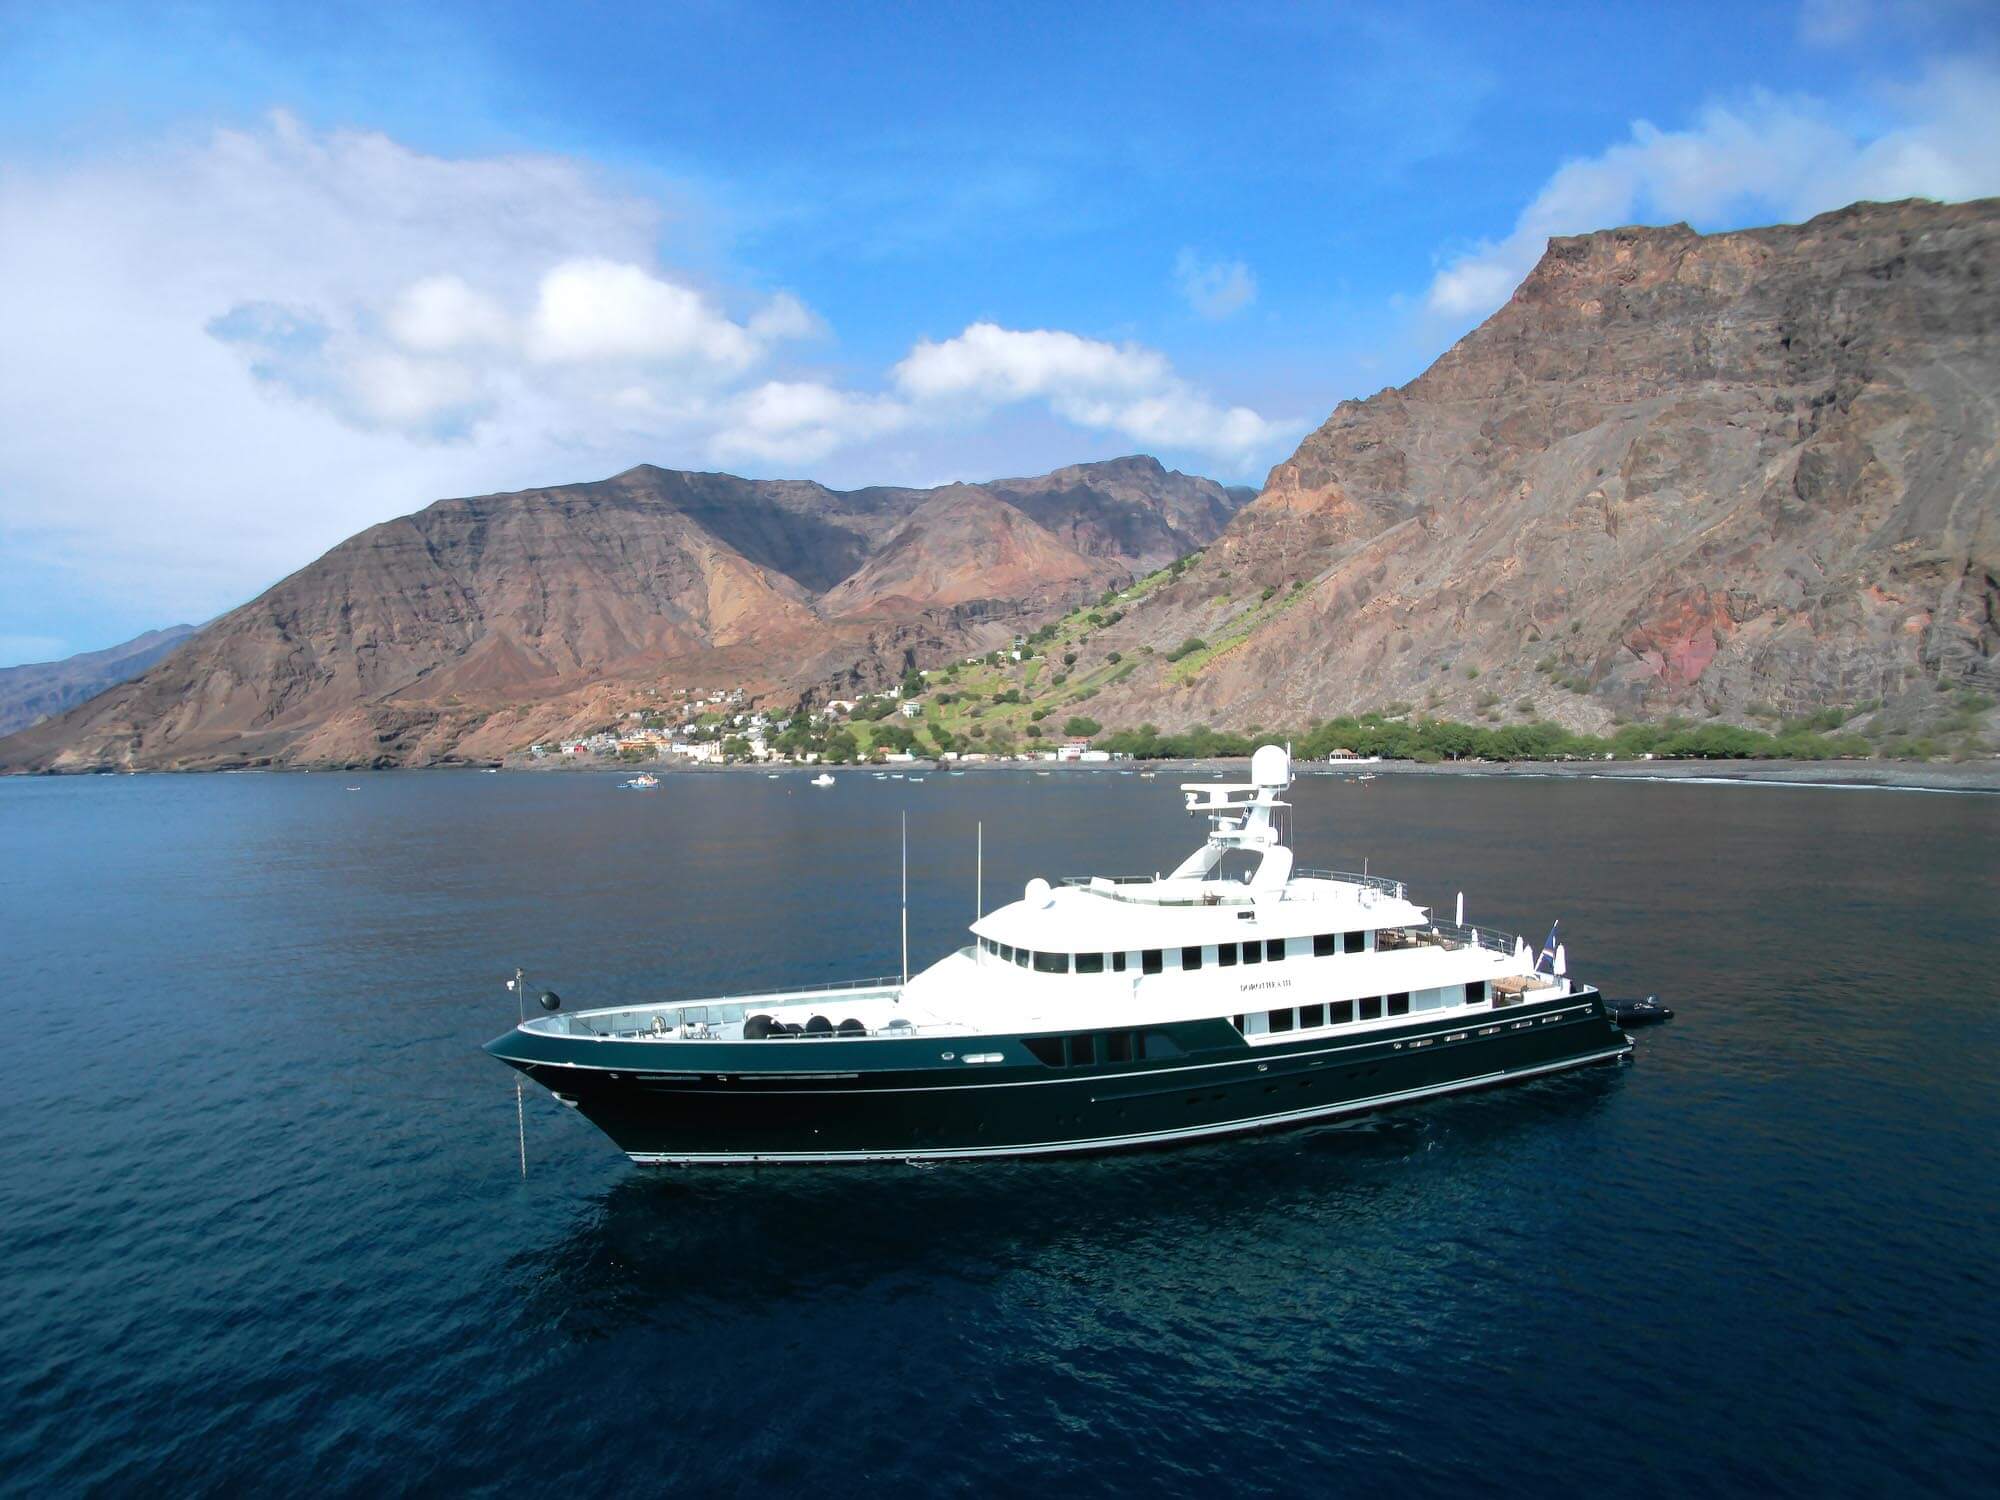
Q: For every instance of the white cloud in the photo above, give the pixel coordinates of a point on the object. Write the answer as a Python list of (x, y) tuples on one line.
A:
[(1770, 157), (803, 421), (1214, 289), (223, 354), (1122, 388), (601, 311), (442, 315)]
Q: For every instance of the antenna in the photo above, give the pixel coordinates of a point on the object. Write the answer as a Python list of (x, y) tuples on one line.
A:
[(979, 874), (906, 902)]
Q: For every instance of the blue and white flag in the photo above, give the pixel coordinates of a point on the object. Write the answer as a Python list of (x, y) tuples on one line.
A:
[(1548, 953)]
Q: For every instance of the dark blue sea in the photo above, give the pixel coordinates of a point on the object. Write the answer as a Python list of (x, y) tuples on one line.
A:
[(263, 1224)]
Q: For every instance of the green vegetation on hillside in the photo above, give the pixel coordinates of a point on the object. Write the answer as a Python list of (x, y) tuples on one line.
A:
[(1442, 739)]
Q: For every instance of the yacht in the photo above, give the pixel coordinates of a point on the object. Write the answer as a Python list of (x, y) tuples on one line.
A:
[(825, 778), (1093, 1014)]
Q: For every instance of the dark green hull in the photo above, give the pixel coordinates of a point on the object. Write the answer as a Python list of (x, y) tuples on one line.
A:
[(875, 1099)]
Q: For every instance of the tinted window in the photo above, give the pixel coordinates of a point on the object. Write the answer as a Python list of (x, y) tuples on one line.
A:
[(1356, 942), (1274, 949), (1475, 992), (1118, 963), (1371, 1008), (1051, 963), (1118, 1046), (1047, 1049), (1150, 961), (1325, 944), (1082, 1052), (1007, 952), (1311, 1016), (1190, 958), (1281, 1020), (1090, 963), (1237, 1022), (1225, 954), (1253, 951), (1399, 1005), (1340, 1013)]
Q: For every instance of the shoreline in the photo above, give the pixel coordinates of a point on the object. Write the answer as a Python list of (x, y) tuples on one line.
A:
[(1981, 777)]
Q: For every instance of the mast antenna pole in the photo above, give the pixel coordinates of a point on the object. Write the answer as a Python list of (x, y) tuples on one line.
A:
[(979, 874), (906, 901)]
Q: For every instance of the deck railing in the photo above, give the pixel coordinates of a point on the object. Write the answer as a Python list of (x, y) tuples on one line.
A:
[(1479, 937), (1381, 883)]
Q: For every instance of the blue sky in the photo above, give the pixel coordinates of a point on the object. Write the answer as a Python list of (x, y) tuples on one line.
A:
[(269, 274)]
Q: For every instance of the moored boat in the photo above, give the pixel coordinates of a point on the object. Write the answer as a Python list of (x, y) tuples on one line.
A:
[(1094, 1014)]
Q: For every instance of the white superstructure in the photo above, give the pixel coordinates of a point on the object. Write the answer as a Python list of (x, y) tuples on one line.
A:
[(1275, 950)]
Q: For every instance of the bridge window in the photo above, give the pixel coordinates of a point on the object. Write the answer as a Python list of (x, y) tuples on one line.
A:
[(1151, 961), (1051, 963), (1190, 958), (1090, 963), (1325, 944), (1021, 957)]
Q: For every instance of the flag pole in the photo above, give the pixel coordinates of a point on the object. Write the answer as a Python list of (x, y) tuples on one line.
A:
[(979, 875), (906, 902)]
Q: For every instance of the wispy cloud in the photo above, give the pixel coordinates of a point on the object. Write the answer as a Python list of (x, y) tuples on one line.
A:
[(1766, 157), (251, 344), (1214, 289), (1123, 388)]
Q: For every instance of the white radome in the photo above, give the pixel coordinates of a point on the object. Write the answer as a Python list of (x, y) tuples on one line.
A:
[(1271, 767)]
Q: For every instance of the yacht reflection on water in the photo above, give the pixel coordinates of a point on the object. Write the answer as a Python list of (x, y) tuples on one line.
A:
[(758, 1236), (1104, 1013)]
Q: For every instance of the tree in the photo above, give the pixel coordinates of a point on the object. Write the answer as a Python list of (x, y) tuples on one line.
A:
[(735, 748), (841, 747), (913, 684), (1080, 726)]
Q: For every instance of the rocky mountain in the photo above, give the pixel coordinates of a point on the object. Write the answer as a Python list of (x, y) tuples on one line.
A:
[(1736, 475), (476, 625), (41, 690)]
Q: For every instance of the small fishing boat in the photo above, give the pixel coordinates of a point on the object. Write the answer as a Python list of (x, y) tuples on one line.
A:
[(823, 779), (645, 781)]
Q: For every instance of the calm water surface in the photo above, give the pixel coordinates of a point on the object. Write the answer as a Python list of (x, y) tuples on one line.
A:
[(265, 1226)]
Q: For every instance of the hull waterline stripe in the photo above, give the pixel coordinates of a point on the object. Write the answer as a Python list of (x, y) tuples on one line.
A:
[(1192, 1132)]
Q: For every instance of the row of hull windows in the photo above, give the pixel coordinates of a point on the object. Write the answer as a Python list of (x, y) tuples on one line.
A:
[(1157, 960), (1087, 1049), (1367, 1008)]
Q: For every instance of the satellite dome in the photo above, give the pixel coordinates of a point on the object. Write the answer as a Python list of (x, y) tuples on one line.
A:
[(1271, 766), (1037, 893)]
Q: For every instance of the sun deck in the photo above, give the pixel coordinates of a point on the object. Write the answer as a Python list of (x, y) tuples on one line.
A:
[(851, 1011)]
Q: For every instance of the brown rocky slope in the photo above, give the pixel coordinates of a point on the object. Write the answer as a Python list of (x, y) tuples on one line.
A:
[(476, 625), (1737, 475)]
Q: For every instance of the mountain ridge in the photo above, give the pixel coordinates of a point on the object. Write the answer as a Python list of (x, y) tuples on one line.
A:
[(1710, 475), (476, 623)]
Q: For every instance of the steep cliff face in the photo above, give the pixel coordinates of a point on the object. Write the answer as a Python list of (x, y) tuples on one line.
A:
[(1675, 473), (478, 624)]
